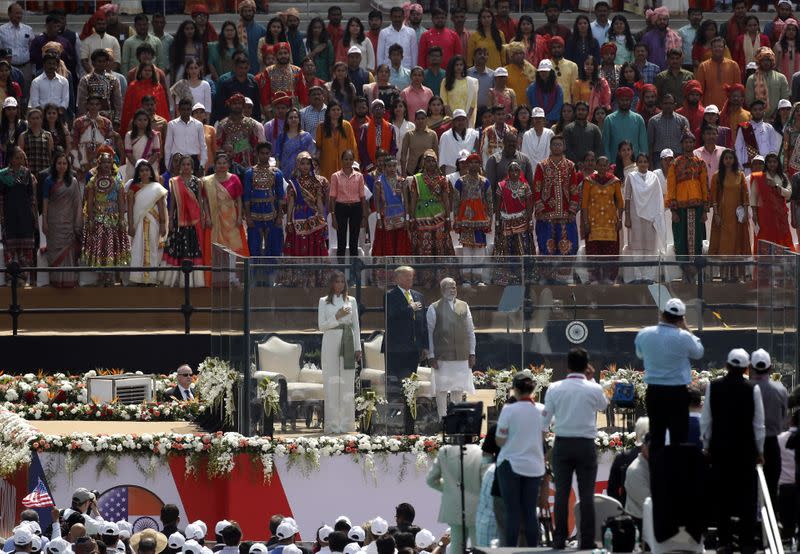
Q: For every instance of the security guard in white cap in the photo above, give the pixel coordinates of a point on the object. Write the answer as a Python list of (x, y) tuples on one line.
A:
[(732, 427)]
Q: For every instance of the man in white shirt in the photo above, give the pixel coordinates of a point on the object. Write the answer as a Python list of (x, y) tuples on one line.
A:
[(17, 37), (456, 139), (733, 431), (451, 340), (637, 482), (50, 87), (787, 483), (601, 24), (398, 33), (756, 137), (573, 403), (99, 40), (185, 135), (536, 140)]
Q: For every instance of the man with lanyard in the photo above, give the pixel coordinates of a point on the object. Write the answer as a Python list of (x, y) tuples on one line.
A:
[(376, 134), (282, 76), (755, 137), (238, 131), (263, 200)]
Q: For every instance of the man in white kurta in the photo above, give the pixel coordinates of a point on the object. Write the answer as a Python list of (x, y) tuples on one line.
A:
[(456, 139), (451, 337), (536, 140)]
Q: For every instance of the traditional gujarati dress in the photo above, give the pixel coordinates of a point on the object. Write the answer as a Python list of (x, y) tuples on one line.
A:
[(17, 216), (87, 136), (242, 135), (472, 205), (602, 202), (687, 195), (288, 79), (226, 219), (107, 243), (791, 147), (773, 215), (185, 231), (140, 148), (263, 192), (392, 239), (513, 236), (102, 85), (430, 238), (64, 224), (555, 197), (146, 248), (306, 230)]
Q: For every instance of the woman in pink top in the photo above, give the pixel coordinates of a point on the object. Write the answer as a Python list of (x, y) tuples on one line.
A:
[(416, 95), (348, 205)]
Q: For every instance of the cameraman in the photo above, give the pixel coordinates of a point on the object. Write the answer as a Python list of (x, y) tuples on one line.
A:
[(520, 464)]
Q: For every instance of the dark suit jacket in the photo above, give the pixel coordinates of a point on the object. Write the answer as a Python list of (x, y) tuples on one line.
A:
[(173, 394), (406, 330)]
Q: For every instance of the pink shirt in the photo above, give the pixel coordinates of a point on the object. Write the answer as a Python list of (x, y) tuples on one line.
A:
[(711, 159), (416, 98), (347, 189), (446, 39)]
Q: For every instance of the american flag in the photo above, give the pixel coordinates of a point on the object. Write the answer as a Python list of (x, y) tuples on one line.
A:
[(114, 504), (131, 503), (39, 497)]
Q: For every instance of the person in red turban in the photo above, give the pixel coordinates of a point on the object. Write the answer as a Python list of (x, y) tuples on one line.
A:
[(692, 108), (282, 76), (733, 112), (624, 92), (648, 101)]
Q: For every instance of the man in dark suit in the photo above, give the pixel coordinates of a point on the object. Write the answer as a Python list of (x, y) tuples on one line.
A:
[(406, 339), (183, 390)]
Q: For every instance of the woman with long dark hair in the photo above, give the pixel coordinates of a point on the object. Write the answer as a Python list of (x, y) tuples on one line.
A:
[(187, 217), (341, 349), (18, 212), (382, 88), (319, 48), (62, 219), (276, 31), (192, 86), (438, 120), (334, 136), (620, 34), (8, 88), (567, 116), (354, 35), (146, 84), (147, 221), (769, 192), (141, 142), (55, 124), (221, 51), (581, 44), (787, 49), (701, 47), (590, 86), (730, 226), (11, 127), (292, 140), (458, 91), (546, 93), (487, 36), (185, 47), (522, 119), (341, 89), (535, 45), (629, 76), (305, 215), (625, 162)]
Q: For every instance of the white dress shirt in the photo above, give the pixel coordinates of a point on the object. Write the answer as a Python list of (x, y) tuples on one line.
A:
[(431, 319), (574, 402), (186, 138), (96, 42), (186, 394), (599, 32), (18, 39), (537, 147), (787, 458), (405, 37), (767, 138), (450, 145), (758, 419), (49, 91)]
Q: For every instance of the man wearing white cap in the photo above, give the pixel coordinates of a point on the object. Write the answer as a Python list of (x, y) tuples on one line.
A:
[(357, 66), (776, 407), (375, 134), (666, 349), (285, 535), (379, 527), (536, 140), (22, 539), (732, 428), (710, 152), (455, 139)]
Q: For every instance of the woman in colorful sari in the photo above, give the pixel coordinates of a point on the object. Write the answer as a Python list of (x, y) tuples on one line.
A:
[(223, 192), (18, 210), (141, 142), (62, 220), (513, 213), (187, 216), (147, 221), (730, 227), (430, 212), (472, 213), (105, 241), (791, 142), (769, 192), (292, 140)]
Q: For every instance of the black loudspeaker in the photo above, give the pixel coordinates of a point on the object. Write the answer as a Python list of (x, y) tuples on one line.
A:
[(464, 418), (562, 335)]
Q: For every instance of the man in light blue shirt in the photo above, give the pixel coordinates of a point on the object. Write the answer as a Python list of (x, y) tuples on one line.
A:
[(666, 349), (399, 75), (687, 34), (574, 402)]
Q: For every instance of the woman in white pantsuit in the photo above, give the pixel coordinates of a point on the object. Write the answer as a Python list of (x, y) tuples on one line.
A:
[(341, 349)]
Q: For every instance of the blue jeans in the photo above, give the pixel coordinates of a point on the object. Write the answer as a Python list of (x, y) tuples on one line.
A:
[(520, 497)]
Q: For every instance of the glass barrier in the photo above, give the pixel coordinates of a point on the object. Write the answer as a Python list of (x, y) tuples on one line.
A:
[(281, 319)]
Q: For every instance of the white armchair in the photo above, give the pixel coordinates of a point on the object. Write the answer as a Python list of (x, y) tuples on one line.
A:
[(374, 369), (681, 542)]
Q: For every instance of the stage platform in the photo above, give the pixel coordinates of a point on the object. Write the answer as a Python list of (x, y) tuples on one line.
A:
[(67, 427)]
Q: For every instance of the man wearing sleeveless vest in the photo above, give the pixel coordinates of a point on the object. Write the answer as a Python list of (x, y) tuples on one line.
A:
[(451, 336)]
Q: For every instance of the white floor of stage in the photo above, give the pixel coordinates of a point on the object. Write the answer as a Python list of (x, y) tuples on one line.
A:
[(67, 427)]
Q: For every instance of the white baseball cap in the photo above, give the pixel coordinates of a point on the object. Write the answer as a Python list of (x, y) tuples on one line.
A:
[(738, 357), (176, 541), (352, 548), (57, 546), (220, 526), (782, 103), (36, 544), (202, 525), (758, 158), (285, 530), (462, 157), (125, 529), (324, 531), (459, 113), (109, 529), (380, 526), (10, 102), (192, 547), (751, 65), (34, 527), (787, 2), (198, 106), (537, 112), (711, 108), (258, 548), (675, 306), (354, 50), (356, 533), (760, 359), (22, 534), (248, 101), (667, 153), (501, 72), (424, 539), (292, 549), (545, 65), (194, 531)]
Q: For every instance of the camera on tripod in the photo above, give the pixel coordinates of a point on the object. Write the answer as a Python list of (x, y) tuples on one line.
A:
[(462, 422)]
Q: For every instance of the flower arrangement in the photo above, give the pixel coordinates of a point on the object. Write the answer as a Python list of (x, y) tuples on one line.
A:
[(367, 404), (270, 395), (411, 385), (152, 411), (541, 376), (215, 386)]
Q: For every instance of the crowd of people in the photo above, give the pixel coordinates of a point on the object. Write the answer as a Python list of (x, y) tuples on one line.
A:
[(135, 146)]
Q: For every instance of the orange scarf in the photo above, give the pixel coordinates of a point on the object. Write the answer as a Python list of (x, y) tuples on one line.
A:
[(386, 138)]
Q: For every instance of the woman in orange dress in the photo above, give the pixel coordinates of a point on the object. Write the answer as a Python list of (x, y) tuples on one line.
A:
[(334, 136), (146, 84), (769, 193)]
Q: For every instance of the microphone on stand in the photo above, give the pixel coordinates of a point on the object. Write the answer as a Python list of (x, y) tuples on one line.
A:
[(574, 307)]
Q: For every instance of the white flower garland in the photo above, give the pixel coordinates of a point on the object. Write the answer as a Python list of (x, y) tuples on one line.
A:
[(411, 385), (366, 404), (270, 395), (215, 386)]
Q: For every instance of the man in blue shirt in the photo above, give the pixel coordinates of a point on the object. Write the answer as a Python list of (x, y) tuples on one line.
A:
[(666, 349), (254, 31)]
